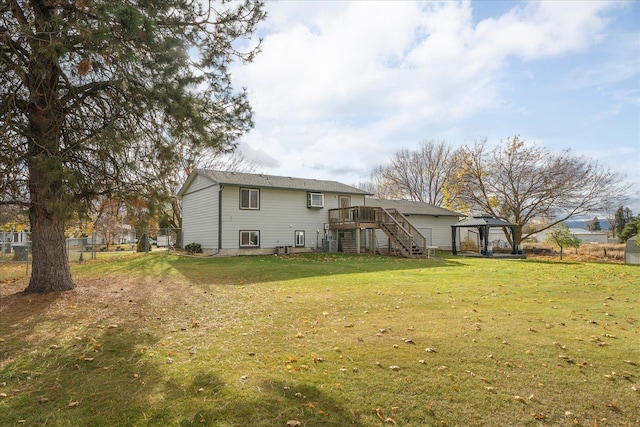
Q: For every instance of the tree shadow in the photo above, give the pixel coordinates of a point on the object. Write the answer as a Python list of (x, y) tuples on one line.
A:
[(273, 405), (261, 269), (552, 262), (20, 312)]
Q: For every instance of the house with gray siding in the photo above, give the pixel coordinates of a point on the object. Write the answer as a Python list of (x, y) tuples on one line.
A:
[(232, 213)]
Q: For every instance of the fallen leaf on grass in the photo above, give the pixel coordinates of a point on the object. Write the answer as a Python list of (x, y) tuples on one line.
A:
[(378, 412), (43, 400), (520, 399), (394, 367), (293, 423), (430, 350), (73, 404)]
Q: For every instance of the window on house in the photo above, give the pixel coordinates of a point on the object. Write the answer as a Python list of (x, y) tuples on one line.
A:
[(299, 238), (249, 239), (316, 200), (249, 198)]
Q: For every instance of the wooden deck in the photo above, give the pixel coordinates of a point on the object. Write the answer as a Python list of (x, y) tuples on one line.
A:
[(404, 236)]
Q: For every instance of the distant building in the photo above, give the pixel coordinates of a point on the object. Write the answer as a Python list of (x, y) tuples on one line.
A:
[(585, 236), (632, 251)]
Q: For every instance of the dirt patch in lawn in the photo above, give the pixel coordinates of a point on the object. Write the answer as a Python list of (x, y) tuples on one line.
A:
[(99, 301)]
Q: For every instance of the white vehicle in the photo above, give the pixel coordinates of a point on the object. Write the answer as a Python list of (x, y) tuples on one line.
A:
[(164, 241)]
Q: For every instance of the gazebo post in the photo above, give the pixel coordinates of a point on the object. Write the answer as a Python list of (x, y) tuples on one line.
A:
[(483, 224), (454, 251), (486, 240)]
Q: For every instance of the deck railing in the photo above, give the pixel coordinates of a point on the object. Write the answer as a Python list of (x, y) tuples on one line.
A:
[(406, 237)]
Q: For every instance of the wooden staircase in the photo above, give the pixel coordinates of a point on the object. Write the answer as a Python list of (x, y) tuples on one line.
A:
[(401, 233), (406, 238)]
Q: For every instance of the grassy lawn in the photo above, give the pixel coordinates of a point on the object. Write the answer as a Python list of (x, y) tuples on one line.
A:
[(325, 340)]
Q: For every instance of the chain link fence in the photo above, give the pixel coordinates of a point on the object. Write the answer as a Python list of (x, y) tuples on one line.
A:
[(15, 246)]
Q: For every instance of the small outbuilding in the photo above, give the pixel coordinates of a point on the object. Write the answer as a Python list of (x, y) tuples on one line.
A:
[(483, 224), (632, 251)]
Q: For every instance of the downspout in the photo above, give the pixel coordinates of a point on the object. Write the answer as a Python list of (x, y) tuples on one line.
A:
[(220, 218)]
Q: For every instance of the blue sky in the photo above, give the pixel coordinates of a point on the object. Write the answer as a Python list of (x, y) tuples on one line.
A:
[(340, 86)]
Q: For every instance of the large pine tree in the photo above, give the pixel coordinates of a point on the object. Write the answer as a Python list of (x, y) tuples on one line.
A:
[(95, 95)]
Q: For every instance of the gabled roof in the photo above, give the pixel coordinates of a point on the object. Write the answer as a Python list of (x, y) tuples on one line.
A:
[(483, 220), (272, 181), (408, 207)]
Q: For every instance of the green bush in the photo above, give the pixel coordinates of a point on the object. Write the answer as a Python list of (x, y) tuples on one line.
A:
[(193, 248)]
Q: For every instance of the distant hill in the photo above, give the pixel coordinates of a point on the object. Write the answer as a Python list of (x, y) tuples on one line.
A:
[(582, 223)]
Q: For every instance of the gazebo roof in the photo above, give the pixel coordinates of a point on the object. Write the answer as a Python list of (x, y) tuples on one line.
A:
[(482, 221)]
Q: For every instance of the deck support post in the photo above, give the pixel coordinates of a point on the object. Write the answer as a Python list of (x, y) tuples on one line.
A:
[(372, 241), (357, 240)]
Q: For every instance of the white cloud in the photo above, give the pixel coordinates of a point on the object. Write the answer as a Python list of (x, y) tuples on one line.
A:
[(341, 85)]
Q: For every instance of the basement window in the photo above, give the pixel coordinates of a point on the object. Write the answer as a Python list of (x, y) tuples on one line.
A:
[(250, 239)]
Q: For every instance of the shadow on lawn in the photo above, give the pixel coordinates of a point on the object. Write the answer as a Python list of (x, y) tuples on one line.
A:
[(260, 269), (269, 404), (20, 312), (557, 261)]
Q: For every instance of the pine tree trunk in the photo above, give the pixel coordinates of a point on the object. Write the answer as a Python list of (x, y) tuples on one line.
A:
[(50, 270), (49, 202), (49, 266)]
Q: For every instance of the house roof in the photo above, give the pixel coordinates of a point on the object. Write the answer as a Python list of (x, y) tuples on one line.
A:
[(483, 220), (632, 245), (408, 207), (584, 231), (272, 181)]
